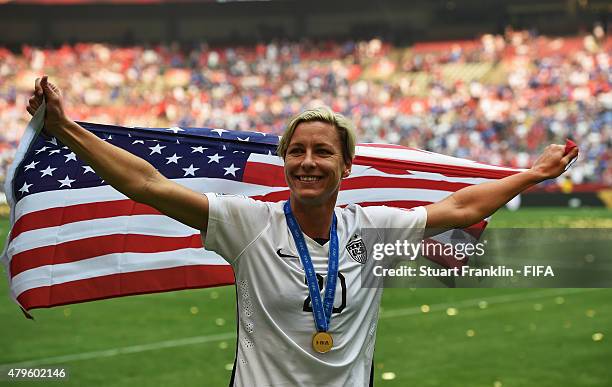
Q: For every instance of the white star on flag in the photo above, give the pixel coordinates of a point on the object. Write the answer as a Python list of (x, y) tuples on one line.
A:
[(243, 139), (70, 156), (53, 141), (219, 131), (175, 129), (44, 148), (199, 149), (31, 165), (88, 169), (137, 142), (54, 151), (190, 171), (66, 182), (156, 149), (173, 159), (47, 171), (231, 170), (25, 188), (214, 158)]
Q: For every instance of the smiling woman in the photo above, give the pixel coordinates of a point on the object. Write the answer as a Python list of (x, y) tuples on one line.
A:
[(314, 167), (285, 254), (318, 148), (324, 339)]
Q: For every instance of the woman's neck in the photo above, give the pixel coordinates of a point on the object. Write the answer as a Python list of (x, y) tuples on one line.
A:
[(315, 221)]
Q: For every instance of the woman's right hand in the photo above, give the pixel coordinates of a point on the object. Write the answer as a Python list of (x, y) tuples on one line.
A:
[(47, 91)]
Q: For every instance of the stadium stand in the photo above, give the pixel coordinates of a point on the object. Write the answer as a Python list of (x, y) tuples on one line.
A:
[(496, 99)]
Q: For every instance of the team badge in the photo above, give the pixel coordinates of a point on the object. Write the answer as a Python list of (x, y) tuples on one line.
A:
[(357, 249)]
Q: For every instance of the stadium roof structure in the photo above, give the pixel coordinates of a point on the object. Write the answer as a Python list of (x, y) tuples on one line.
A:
[(54, 22)]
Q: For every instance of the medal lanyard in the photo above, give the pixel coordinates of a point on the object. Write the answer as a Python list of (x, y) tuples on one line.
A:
[(321, 310)]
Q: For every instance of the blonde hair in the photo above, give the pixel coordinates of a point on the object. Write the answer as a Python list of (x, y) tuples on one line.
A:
[(343, 125)]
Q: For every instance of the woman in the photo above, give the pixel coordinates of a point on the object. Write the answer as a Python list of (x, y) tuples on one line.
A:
[(284, 254)]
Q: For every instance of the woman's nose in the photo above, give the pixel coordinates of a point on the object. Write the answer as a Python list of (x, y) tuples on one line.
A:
[(308, 160)]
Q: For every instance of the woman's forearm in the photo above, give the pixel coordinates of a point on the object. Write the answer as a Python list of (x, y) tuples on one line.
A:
[(479, 201)]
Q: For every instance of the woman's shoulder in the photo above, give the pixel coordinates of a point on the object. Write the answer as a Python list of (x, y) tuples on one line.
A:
[(378, 215)]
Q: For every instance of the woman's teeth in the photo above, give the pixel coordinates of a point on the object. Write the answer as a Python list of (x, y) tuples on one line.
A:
[(309, 178)]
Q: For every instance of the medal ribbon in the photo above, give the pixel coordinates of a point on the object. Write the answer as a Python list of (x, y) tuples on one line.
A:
[(321, 311)]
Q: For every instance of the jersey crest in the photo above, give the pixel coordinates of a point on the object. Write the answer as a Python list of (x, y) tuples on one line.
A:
[(357, 249)]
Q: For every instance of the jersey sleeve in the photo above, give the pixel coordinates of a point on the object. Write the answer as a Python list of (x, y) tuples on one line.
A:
[(233, 223), (391, 217), (400, 223)]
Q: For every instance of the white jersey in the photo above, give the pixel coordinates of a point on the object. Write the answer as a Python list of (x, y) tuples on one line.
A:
[(275, 321)]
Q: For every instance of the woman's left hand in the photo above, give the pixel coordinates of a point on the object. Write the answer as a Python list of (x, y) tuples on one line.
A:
[(553, 161)]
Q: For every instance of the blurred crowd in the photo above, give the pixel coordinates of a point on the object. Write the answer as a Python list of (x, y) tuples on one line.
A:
[(499, 99)]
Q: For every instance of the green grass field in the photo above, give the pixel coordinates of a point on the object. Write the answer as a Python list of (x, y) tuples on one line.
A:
[(494, 338)]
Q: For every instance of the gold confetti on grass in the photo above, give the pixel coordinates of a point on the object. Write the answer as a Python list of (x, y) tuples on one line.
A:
[(559, 300), (470, 333), (425, 308), (538, 307), (597, 336), (388, 375), (590, 313), (497, 383), (214, 295), (220, 322), (574, 221), (223, 345), (452, 311), (194, 310), (483, 304), (587, 223), (229, 366), (67, 312)]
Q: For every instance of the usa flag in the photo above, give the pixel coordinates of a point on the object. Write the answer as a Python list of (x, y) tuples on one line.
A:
[(74, 238)]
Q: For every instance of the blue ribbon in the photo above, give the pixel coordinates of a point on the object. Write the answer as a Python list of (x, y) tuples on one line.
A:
[(321, 311)]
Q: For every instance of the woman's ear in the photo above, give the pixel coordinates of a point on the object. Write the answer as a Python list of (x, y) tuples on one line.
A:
[(347, 171)]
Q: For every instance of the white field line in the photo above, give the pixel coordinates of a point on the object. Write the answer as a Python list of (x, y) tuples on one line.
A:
[(121, 350), (230, 335)]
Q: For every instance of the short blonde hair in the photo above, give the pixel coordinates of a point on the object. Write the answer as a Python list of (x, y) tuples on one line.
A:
[(344, 126)]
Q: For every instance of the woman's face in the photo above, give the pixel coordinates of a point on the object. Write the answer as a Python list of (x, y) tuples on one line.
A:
[(314, 164)]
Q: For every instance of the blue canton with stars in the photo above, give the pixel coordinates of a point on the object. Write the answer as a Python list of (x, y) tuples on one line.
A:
[(175, 152)]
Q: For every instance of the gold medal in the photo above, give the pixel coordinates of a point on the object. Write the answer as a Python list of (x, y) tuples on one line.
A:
[(322, 342)]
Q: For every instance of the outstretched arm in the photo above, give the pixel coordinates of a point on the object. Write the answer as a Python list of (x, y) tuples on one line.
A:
[(472, 204), (129, 174)]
